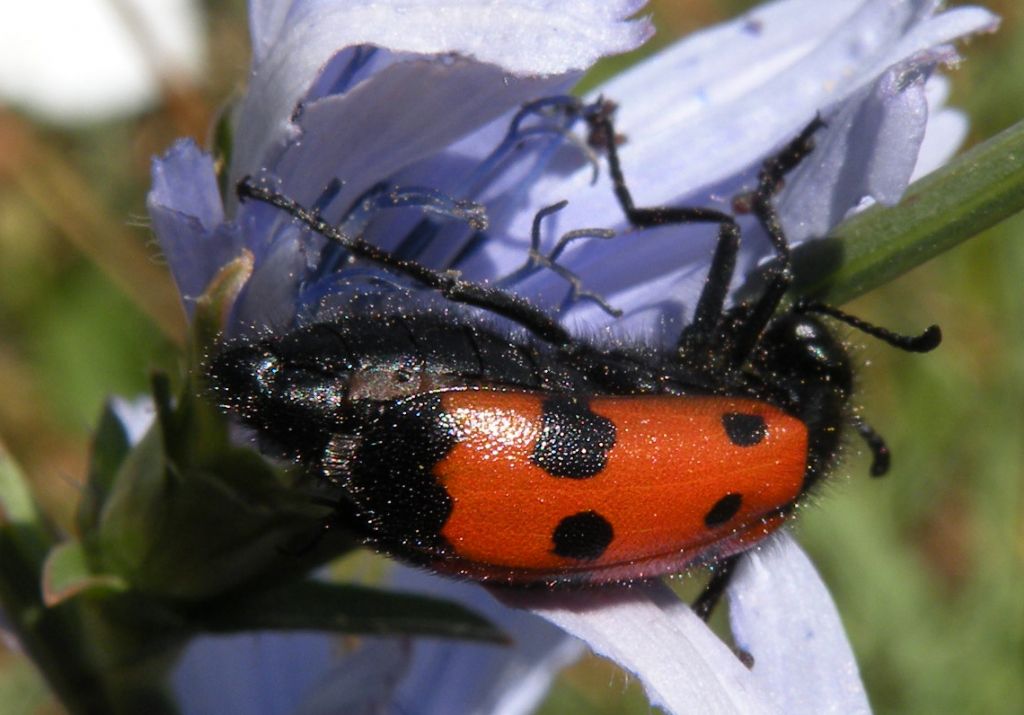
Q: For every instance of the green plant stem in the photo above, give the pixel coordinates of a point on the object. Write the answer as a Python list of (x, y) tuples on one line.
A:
[(973, 192)]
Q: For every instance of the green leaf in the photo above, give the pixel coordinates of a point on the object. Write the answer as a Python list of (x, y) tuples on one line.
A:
[(66, 573), (224, 143), (317, 605), (182, 530), (22, 528), (970, 194), (110, 446), (191, 515), (25, 539), (52, 637)]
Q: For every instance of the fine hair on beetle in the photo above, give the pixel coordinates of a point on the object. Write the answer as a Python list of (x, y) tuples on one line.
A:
[(392, 401)]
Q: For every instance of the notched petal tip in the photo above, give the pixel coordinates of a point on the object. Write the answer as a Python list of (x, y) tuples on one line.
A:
[(184, 180), (187, 214)]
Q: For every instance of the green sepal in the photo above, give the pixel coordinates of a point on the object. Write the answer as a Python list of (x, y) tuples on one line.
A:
[(325, 606), (54, 638), (68, 573), (214, 305), (222, 141), (110, 446), (191, 515), (25, 539), (22, 526)]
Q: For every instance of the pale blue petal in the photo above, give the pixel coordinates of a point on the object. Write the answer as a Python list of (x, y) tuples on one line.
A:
[(184, 181), (185, 208), (523, 37), (363, 681), (407, 112), (714, 132), (692, 142), (270, 297), (782, 614), (255, 674), (450, 677), (267, 19), (946, 130), (649, 632), (869, 150), (314, 674)]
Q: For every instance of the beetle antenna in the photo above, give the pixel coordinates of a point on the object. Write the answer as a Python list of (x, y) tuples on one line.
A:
[(880, 457)]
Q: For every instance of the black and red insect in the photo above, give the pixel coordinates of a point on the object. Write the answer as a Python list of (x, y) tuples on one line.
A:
[(534, 457)]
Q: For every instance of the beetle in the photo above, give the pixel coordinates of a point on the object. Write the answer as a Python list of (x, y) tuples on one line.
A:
[(535, 458)]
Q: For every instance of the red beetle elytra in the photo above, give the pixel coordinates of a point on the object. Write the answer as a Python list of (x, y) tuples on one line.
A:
[(536, 458)]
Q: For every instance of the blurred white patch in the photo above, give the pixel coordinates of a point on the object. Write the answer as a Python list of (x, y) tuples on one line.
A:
[(946, 130), (90, 60), (136, 415)]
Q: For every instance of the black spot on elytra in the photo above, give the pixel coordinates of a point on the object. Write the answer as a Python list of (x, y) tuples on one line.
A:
[(723, 510), (391, 482), (583, 536), (573, 442), (744, 430)]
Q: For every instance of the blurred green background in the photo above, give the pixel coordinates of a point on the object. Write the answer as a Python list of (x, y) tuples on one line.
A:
[(927, 565)]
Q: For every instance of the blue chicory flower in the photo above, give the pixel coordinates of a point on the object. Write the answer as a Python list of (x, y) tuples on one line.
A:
[(422, 94)]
